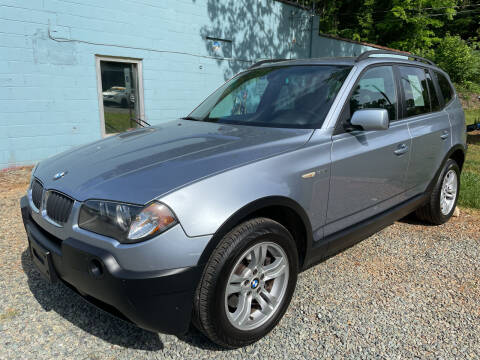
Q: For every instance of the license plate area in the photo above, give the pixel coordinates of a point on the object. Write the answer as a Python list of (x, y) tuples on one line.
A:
[(42, 258)]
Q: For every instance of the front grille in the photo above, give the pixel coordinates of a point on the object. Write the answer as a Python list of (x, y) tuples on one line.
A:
[(58, 206), (37, 191)]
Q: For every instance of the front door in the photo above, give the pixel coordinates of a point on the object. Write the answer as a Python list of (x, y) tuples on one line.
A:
[(368, 167)]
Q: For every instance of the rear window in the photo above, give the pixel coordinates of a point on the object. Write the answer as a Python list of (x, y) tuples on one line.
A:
[(445, 87), (414, 84)]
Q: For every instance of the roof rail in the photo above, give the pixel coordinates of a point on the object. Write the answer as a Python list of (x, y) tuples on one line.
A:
[(367, 54), (261, 62)]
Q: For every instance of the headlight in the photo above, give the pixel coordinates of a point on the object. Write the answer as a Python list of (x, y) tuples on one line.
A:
[(126, 223)]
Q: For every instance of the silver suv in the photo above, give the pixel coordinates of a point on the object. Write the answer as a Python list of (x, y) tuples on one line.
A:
[(209, 219)]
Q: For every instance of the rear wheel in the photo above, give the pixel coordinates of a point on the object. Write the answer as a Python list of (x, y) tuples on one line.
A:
[(247, 284), (444, 196)]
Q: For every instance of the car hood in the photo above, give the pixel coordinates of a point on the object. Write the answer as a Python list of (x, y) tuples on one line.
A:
[(143, 164)]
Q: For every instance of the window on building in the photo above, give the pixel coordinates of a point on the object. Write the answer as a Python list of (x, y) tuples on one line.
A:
[(121, 94)]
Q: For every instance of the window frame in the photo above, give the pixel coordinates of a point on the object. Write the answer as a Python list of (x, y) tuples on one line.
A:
[(437, 91), (141, 104), (339, 129)]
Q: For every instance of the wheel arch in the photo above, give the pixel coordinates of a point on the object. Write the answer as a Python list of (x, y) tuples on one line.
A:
[(278, 208), (457, 153)]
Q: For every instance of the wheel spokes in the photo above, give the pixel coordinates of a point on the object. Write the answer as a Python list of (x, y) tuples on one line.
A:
[(254, 291), (258, 255), (239, 278), (244, 308), (275, 269), (449, 192), (266, 301), (233, 288)]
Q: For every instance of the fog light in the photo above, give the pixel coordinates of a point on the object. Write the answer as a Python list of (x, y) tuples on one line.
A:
[(95, 268)]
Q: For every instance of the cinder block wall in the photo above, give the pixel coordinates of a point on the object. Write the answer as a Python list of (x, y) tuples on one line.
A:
[(48, 79)]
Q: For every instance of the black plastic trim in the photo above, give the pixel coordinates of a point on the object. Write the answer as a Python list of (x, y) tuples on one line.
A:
[(251, 208), (159, 301), (348, 237)]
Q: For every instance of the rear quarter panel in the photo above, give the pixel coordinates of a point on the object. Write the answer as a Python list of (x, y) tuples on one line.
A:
[(457, 122)]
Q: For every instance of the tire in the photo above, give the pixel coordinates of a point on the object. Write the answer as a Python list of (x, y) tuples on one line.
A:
[(212, 305), (432, 211)]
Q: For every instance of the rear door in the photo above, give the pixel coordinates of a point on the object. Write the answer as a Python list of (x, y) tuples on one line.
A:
[(368, 167), (428, 123)]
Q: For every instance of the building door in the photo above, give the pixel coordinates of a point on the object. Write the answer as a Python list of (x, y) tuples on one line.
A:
[(120, 94)]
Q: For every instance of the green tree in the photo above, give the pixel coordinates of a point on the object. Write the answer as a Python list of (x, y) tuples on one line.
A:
[(418, 26), (457, 58)]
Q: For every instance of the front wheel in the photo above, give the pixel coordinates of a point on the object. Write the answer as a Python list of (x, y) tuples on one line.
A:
[(443, 198), (247, 284)]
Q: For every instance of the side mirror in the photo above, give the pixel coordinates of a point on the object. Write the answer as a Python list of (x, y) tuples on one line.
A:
[(371, 119)]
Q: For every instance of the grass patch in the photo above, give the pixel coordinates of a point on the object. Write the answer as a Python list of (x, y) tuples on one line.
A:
[(117, 122), (471, 115), (470, 180)]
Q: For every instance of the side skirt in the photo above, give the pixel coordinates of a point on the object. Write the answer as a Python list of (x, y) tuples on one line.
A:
[(348, 237)]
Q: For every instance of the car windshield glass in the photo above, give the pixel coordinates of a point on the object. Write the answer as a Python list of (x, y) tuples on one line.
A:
[(290, 96)]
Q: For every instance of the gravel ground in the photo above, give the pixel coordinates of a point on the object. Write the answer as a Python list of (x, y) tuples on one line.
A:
[(408, 291)]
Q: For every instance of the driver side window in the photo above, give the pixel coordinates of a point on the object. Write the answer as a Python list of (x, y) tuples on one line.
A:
[(375, 90)]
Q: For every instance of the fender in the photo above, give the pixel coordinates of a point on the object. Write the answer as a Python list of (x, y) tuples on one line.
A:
[(249, 209)]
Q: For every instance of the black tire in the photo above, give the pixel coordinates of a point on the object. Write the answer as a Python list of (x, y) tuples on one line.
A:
[(431, 212), (209, 304)]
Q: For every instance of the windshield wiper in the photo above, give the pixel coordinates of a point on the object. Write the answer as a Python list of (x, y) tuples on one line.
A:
[(191, 118)]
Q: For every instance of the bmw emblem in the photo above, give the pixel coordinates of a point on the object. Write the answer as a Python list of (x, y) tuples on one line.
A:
[(59, 175), (254, 284)]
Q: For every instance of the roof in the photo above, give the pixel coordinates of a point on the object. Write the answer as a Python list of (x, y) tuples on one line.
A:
[(349, 61)]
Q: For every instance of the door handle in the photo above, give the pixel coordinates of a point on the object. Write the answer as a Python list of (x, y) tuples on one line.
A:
[(444, 135), (401, 149)]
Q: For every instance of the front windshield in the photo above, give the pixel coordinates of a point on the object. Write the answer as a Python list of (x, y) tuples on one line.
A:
[(290, 96)]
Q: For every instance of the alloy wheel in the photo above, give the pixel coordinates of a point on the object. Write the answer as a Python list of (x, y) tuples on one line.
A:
[(256, 286)]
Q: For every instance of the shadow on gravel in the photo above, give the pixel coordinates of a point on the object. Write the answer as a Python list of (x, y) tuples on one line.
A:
[(413, 220), (197, 339), (79, 312)]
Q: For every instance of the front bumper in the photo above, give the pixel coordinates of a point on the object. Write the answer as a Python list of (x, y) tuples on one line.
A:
[(159, 301)]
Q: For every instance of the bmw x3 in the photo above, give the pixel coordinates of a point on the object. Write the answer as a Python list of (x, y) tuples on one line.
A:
[(208, 219)]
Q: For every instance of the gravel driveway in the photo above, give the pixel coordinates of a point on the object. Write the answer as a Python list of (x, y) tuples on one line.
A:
[(408, 291)]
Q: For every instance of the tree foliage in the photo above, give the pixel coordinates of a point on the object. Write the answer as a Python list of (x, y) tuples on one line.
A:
[(447, 31), (457, 59)]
